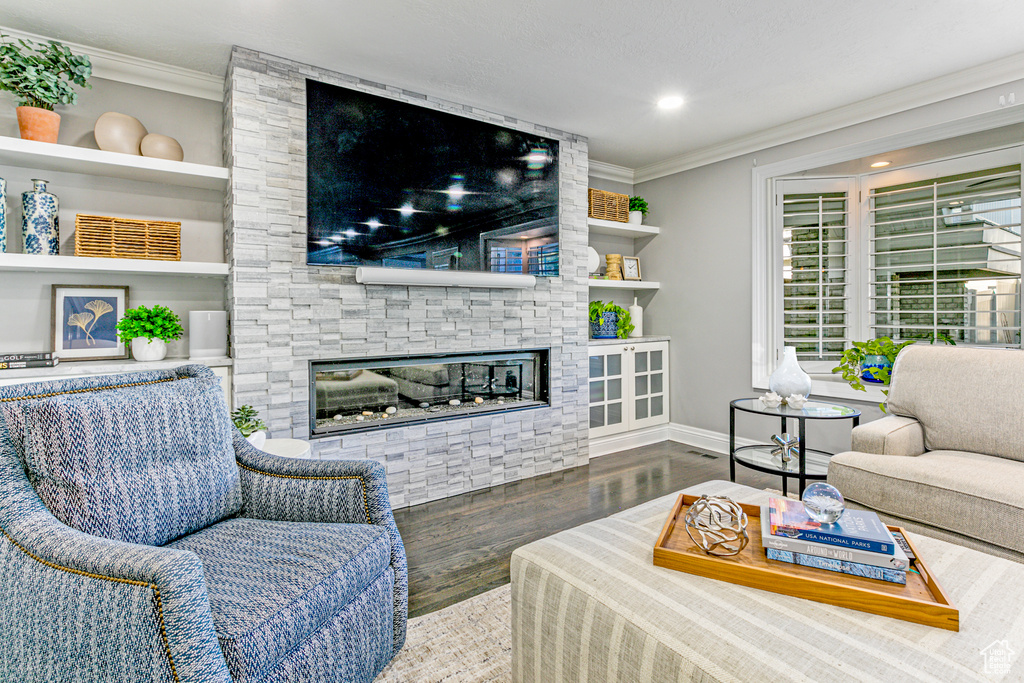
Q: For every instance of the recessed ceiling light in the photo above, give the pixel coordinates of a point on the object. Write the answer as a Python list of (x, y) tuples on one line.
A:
[(880, 164), (373, 223), (407, 210), (670, 102)]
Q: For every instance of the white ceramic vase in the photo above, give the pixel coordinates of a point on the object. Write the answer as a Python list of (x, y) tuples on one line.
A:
[(148, 350), (257, 439), (636, 316), (789, 378), (636, 217)]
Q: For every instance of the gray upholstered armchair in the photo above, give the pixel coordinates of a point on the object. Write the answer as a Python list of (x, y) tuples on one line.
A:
[(145, 540), (948, 460)]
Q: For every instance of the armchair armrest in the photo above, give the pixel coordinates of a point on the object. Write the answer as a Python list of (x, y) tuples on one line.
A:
[(134, 612), (892, 435)]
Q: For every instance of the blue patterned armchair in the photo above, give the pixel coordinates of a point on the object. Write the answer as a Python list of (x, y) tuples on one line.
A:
[(145, 540)]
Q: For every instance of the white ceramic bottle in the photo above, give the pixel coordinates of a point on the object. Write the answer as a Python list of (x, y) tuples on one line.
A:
[(636, 316), (789, 378)]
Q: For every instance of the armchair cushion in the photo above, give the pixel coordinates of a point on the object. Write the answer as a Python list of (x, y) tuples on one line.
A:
[(274, 584), (966, 493), (141, 464), (892, 435), (966, 399)]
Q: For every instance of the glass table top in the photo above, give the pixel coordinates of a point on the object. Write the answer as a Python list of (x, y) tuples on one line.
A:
[(761, 456), (812, 409)]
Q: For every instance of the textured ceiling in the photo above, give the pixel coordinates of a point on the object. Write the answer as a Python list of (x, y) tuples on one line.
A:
[(593, 67)]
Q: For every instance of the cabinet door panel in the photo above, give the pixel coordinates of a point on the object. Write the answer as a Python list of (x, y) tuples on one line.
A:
[(608, 413), (650, 385)]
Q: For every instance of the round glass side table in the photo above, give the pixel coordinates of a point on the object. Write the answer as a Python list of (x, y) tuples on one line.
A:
[(811, 463)]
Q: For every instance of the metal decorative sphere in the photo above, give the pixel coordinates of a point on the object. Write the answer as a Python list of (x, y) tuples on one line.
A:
[(718, 525), (823, 502)]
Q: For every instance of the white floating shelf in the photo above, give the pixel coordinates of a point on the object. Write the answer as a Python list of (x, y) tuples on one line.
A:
[(624, 284), (83, 264), (46, 156), (603, 227)]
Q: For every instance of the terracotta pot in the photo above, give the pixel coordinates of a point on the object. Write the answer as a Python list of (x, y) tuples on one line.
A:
[(38, 124)]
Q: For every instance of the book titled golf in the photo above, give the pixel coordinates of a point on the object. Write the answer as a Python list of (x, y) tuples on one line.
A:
[(859, 529), (898, 560)]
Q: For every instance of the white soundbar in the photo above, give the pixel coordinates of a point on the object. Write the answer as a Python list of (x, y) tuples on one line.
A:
[(368, 275)]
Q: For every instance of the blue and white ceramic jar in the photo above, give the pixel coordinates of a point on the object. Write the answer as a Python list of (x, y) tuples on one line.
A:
[(3, 215), (39, 225)]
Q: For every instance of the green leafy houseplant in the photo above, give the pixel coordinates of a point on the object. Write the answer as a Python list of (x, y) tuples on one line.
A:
[(247, 420), (851, 360), (42, 75), (158, 322), (625, 324), (638, 204)]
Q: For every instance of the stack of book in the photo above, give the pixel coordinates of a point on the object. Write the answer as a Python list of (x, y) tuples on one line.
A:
[(17, 361), (858, 544)]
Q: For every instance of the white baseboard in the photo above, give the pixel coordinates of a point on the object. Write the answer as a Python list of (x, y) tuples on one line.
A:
[(716, 442)]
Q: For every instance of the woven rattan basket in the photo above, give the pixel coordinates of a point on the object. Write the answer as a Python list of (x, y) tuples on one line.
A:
[(610, 206), (108, 237)]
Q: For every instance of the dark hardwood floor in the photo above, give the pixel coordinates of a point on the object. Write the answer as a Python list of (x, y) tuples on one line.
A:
[(459, 547)]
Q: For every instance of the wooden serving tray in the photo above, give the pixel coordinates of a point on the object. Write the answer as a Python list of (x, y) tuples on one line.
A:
[(921, 601)]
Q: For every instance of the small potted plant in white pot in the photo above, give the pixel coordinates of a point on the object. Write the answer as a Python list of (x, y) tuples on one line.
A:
[(248, 422), (41, 76), (637, 210), (148, 330)]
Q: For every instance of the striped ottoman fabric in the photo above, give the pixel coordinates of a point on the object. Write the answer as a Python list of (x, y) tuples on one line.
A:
[(589, 605)]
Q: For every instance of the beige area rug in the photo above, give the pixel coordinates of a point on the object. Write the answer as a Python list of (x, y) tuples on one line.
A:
[(469, 642)]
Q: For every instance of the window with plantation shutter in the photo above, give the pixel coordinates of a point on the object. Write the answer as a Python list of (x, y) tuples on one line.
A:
[(945, 255), (815, 220)]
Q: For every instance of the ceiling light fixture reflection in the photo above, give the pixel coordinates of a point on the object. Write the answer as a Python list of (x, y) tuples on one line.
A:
[(670, 102), (456, 192), (351, 233), (373, 223), (880, 164), (407, 210)]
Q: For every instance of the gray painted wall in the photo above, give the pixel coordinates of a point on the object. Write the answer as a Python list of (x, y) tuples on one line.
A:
[(703, 259)]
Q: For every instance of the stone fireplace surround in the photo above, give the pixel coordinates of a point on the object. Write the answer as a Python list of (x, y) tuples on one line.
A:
[(285, 314)]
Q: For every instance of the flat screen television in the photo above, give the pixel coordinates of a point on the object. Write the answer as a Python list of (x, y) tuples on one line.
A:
[(399, 185)]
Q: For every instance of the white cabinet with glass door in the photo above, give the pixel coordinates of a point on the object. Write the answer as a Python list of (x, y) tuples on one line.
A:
[(628, 386)]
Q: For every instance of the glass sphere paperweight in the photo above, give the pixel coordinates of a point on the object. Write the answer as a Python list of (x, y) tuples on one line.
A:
[(823, 502)]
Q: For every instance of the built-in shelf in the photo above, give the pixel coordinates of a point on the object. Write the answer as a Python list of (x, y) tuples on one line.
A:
[(105, 367), (603, 227), (84, 264), (47, 156), (624, 284)]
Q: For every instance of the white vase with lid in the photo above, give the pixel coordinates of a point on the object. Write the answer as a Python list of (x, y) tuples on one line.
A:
[(789, 378)]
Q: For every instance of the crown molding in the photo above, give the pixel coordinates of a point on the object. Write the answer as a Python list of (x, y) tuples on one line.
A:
[(114, 66), (971, 80), (606, 171)]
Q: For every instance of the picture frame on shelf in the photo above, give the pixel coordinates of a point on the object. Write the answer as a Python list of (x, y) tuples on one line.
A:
[(630, 268), (83, 320)]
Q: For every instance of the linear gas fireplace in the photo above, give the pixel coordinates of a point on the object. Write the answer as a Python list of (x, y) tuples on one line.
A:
[(375, 393)]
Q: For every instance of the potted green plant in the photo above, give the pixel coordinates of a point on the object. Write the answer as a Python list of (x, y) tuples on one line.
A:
[(637, 209), (872, 361), (41, 76), (148, 330), (247, 420), (609, 321)]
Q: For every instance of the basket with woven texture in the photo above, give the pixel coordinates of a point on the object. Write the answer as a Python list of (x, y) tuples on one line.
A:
[(103, 236), (610, 206)]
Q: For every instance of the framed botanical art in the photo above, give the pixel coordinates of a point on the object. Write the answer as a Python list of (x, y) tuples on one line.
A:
[(630, 268), (84, 319)]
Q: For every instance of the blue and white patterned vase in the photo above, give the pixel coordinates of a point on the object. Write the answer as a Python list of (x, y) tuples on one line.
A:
[(39, 224), (3, 216)]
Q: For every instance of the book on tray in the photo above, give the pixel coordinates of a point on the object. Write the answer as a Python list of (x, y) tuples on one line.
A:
[(852, 568), (856, 529)]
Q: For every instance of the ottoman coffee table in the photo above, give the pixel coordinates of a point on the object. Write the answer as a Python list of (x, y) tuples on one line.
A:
[(588, 604)]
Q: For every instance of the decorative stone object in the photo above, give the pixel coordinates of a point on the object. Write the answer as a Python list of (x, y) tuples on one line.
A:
[(501, 401), (796, 401), (391, 410), (340, 417), (119, 133), (718, 525), (360, 418), (455, 402), (789, 378), (823, 502), (770, 400), (478, 400), (788, 446), (424, 405), (367, 413), (40, 225), (160, 146), (435, 409)]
